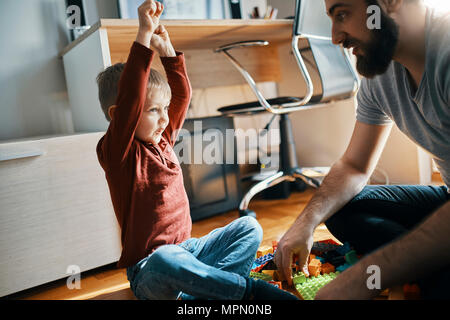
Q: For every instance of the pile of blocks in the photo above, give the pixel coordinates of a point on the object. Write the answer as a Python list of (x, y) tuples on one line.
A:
[(326, 261)]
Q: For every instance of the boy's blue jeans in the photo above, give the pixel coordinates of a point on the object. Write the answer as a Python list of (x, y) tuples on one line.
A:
[(210, 267), (380, 214)]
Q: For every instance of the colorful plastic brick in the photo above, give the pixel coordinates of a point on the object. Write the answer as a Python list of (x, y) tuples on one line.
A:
[(327, 268), (276, 284), (299, 278), (309, 288), (322, 260), (342, 250), (264, 258), (258, 267), (314, 267), (351, 258), (261, 276), (336, 261), (268, 272), (329, 241), (320, 247), (274, 245), (342, 267), (262, 251), (411, 291)]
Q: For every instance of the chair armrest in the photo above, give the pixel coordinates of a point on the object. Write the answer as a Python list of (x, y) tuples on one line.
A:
[(287, 108)]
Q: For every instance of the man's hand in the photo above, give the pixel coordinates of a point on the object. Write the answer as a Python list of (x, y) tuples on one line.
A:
[(296, 241), (149, 13), (161, 42)]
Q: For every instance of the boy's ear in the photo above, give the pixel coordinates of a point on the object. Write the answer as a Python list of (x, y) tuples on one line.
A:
[(112, 111)]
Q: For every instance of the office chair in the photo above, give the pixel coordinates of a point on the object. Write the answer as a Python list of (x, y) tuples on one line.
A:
[(338, 80)]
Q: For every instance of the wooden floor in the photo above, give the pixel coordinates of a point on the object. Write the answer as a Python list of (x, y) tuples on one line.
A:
[(275, 217), (110, 283)]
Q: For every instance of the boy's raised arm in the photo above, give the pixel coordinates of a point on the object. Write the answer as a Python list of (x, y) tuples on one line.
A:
[(175, 67), (132, 88)]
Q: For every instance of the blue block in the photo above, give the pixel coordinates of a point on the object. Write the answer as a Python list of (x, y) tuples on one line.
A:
[(322, 260), (342, 250), (343, 267)]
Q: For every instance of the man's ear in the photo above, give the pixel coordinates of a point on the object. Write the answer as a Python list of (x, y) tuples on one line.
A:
[(391, 6), (112, 111)]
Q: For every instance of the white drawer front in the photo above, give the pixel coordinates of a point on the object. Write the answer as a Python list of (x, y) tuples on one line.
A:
[(55, 211)]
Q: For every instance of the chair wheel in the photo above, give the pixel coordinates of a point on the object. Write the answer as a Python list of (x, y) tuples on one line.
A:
[(247, 213)]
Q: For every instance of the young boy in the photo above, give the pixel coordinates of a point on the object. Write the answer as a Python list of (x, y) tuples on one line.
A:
[(146, 183)]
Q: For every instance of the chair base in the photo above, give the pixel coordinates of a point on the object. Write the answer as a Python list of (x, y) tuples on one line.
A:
[(291, 175)]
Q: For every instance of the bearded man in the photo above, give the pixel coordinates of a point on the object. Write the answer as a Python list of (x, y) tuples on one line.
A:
[(402, 230)]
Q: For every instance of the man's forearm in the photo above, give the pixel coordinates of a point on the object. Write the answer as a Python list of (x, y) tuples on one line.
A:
[(420, 252), (338, 188)]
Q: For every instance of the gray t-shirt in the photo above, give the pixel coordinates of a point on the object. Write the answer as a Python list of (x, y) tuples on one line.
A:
[(424, 116)]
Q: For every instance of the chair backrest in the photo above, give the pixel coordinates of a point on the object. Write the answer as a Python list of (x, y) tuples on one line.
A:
[(338, 78), (311, 20)]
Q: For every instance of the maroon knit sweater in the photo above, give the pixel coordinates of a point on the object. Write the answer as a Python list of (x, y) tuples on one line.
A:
[(145, 181)]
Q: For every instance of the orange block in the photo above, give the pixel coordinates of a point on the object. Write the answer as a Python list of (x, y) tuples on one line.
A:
[(311, 257), (274, 245), (327, 268), (262, 251), (411, 292), (314, 267)]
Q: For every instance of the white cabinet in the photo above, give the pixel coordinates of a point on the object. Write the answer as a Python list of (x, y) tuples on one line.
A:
[(55, 211)]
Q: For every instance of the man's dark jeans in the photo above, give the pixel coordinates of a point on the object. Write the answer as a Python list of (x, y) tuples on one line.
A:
[(380, 214)]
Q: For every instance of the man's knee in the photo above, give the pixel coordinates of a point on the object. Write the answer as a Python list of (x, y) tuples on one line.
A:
[(337, 223)]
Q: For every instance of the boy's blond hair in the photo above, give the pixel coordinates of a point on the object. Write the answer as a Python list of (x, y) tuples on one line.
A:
[(108, 82)]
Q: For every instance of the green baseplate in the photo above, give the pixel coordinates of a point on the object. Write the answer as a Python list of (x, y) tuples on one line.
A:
[(307, 287)]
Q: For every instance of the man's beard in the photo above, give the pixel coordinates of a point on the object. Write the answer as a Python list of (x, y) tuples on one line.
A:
[(379, 52)]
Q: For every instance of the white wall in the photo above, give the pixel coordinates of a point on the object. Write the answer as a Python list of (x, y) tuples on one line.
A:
[(33, 93), (286, 8), (33, 97)]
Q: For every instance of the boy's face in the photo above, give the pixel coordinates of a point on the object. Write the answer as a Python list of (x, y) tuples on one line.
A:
[(154, 119), (374, 48)]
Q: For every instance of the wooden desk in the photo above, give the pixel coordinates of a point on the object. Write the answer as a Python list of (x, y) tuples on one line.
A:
[(109, 41)]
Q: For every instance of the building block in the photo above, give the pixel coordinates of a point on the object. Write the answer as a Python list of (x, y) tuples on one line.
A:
[(336, 261), (268, 272), (343, 267), (327, 268), (329, 241), (258, 267), (351, 258), (411, 292), (274, 245), (309, 288), (261, 276), (262, 251), (299, 278), (314, 267), (322, 260), (264, 258), (342, 250), (276, 284), (321, 247)]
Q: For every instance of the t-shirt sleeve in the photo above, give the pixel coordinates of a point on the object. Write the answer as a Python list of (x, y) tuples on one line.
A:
[(368, 110)]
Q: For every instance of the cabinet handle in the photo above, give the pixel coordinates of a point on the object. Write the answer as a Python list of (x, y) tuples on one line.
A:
[(6, 156)]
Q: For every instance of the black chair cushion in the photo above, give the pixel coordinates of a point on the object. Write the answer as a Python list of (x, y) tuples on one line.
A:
[(256, 107)]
